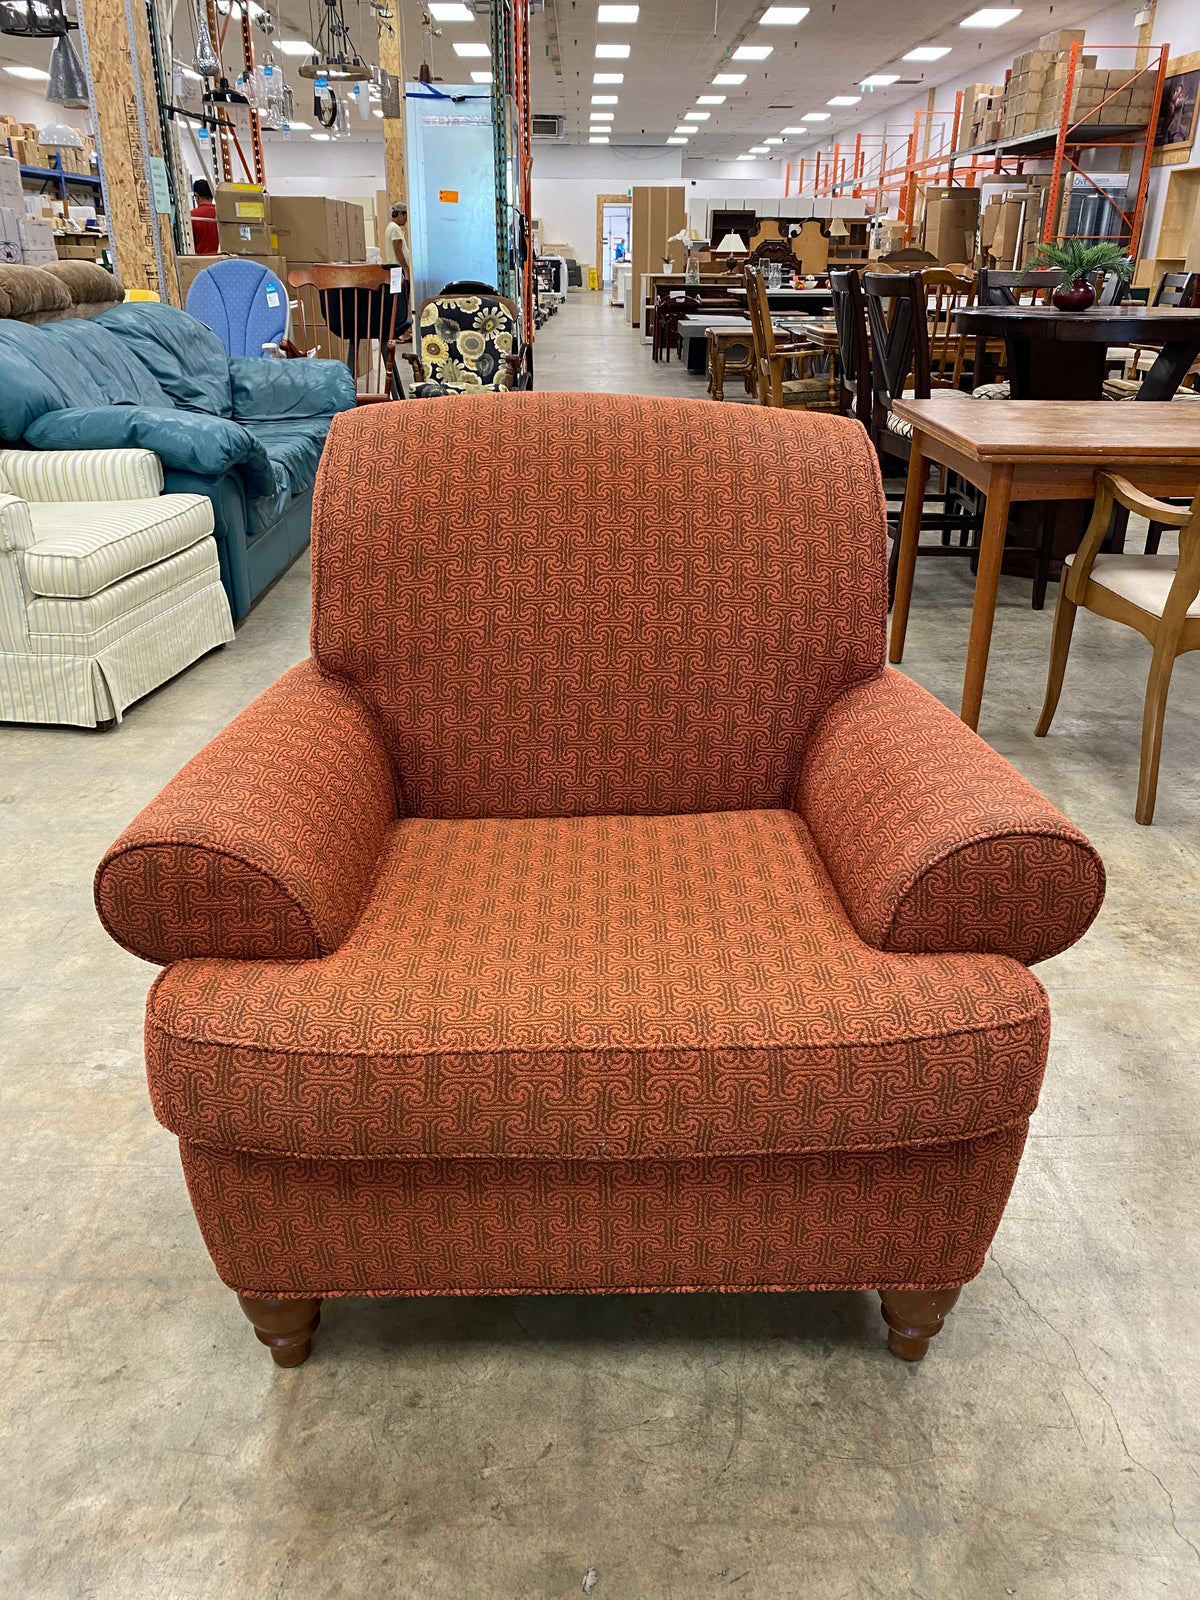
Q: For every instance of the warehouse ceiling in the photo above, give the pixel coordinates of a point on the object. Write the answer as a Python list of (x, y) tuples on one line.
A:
[(676, 48)]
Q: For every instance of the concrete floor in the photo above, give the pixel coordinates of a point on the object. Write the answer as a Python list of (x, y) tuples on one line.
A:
[(641, 1448)]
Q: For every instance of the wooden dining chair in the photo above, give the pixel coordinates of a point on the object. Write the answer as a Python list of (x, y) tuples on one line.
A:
[(854, 358), (1001, 287), (1155, 594), (348, 313), (898, 328), (774, 352), (945, 293)]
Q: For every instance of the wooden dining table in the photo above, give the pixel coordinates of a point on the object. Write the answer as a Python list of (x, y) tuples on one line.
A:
[(1061, 355), (1038, 450)]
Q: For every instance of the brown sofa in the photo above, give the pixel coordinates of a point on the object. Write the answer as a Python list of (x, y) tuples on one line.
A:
[(594, 911)]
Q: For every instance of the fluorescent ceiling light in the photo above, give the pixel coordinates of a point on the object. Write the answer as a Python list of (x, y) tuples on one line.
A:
[(602, 116), (696, 116), (608, 77), (34, 74), (844, 100), (320, 136), (295, 47), (783, 16), (674, 140), (604, 99), (685, 129), (989, 17), (710, 99), (752, 52), (476, 77), (729, 78), (877, 80), (598, 138), (617, 13), (816, 116), (472, 50), (927, 52), (795, 130), (772, 141), (612, 52), (759, 150), (746, 158), (450, 11)]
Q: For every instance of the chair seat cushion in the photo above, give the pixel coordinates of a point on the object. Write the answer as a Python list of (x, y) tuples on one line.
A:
[(601, 988), (431, 390), (899, 426), (80, 547), (1145, 581), (57, 623), (293, 446)]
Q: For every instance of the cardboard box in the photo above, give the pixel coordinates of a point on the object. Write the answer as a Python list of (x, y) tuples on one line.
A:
[(311, 228), (242, 202), (80, 246), (951, 220), (356, 232), (1062, 40), (189, 266), (247, 239)]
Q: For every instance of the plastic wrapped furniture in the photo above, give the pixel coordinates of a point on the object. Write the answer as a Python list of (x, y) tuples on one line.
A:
[(594, 912), (108, 587)]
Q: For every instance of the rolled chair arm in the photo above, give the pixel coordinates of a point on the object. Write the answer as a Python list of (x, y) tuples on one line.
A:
[(264, 845), (933, 841)]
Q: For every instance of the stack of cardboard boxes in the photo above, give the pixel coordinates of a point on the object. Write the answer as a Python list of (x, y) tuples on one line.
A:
[(951, 223), (1099, 97), (1010, 224), (982, 114), (20, 140), (283, 232)]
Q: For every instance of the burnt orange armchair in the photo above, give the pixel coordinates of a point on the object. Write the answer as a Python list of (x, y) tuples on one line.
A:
[(594, 912)]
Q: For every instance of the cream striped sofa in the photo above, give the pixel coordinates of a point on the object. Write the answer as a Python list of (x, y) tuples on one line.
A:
[(108, 587)]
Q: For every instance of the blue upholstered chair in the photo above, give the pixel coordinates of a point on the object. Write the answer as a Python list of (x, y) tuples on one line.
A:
[(243, 303)]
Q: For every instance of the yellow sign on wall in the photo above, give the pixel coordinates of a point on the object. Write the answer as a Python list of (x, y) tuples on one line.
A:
[(448, 197)]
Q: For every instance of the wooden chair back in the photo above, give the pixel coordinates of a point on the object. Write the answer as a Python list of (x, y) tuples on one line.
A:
[(349, 314), (910, 256), (1002, 288), (896, 319), (1112, 289), (854, 357), (945, 293), (1180, 289)]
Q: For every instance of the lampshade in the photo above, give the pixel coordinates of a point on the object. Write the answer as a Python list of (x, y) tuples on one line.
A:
[(838, 229), (68, 85), (732, 245), (60, 136), (686, 236)]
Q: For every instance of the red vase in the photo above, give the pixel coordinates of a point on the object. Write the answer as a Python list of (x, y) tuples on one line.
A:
[(1077, 296)]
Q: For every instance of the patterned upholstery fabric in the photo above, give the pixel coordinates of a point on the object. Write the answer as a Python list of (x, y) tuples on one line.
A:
[(82, 474), (536, 1013), (735, 587), (264, 844), (101, 600), (923, 861), (465, 341), (594, 911), (73, 555), (899, 1218)]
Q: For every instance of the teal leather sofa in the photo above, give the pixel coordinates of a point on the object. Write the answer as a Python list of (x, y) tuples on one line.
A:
[(246, 432)]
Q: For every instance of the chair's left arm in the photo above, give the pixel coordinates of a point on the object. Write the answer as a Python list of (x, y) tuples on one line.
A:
[(118, 474), (933, 841), (264, 846)]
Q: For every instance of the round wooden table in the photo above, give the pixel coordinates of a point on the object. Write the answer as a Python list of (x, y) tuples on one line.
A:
[(1059, 355)]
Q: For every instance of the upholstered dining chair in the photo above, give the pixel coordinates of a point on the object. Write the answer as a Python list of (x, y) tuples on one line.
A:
[(594, 911), (1153, 593), (468, 338)]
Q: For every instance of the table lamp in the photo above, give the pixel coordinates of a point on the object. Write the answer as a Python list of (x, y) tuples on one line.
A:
[(692, 242), (733, 246)]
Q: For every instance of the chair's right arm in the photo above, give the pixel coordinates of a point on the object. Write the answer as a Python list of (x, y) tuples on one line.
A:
[(264, 846), (933, 841)]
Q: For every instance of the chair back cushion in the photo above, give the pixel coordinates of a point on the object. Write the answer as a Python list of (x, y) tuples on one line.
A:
[(243, 303), (570, 604), (466, 339)]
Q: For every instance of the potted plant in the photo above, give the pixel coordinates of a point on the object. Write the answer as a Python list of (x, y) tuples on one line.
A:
[(1080, 264)]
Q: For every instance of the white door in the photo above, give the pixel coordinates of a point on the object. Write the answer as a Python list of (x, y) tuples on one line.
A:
[(615, 238)]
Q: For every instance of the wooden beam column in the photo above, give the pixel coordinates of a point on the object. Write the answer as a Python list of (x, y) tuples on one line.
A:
[(116, 44), (395, 149)]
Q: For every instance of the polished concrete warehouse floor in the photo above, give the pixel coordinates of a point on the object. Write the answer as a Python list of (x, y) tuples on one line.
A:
[(638, 1448)]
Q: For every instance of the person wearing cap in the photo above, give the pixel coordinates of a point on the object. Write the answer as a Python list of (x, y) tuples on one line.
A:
[(395, 241)]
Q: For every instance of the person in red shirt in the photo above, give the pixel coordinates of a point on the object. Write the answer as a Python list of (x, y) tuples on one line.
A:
[(204, 219)]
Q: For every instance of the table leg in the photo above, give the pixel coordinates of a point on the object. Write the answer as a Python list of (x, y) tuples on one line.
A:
[(1169, 370), (987, 583), (716, 363), (910, 533)]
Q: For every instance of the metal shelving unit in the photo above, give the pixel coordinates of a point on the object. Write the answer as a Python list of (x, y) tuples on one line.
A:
[(64, 180)]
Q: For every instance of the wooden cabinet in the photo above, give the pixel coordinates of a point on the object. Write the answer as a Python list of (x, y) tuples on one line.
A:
[(1179, 231)]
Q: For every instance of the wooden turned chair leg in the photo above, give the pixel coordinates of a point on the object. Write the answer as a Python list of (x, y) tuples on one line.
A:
[(286, 1327), (914, 1316)]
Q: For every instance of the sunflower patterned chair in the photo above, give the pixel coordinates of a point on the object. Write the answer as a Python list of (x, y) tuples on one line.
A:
[(466, 342), (594, 912)]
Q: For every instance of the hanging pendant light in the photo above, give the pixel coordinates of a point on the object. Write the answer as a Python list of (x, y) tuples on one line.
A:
[(206, 61), (68, 85)]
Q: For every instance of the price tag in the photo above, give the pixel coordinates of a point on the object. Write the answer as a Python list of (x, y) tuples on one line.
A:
[(397, 284), (272, 296)]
